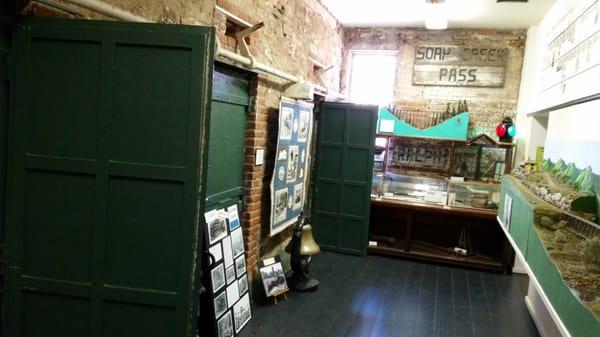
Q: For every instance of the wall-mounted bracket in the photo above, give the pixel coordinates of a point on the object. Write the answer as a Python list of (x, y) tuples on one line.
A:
[(241, 39)]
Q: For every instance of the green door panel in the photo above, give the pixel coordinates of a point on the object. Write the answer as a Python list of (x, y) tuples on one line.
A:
[(226, 151), (343, 175), (107, 173)]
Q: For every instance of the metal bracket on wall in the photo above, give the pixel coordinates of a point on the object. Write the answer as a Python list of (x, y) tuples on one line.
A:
[(243, 44)]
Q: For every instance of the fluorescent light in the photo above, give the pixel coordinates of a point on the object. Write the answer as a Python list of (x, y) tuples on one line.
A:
[(436, 16)]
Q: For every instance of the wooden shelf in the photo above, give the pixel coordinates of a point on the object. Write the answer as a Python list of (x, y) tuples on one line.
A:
[(454, 210), (423, 251)]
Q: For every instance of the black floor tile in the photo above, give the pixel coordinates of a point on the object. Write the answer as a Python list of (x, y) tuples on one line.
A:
[(376, 296)]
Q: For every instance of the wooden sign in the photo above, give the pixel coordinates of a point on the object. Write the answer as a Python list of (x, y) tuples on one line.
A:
[(426, 154), (460, 66)]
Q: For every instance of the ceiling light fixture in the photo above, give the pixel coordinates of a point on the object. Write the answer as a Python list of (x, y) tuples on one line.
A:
[(435, 15)]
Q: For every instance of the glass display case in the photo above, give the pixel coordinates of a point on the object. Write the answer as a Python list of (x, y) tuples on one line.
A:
[(407, 188), (473, 194)]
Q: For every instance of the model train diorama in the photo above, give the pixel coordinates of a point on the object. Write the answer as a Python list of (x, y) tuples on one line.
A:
[(565, 208)]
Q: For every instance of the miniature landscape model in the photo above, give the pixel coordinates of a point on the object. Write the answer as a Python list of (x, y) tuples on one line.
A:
[(565, 209)]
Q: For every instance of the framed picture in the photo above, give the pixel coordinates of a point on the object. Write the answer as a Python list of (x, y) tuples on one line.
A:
[(242, 313), (273, 278), (225, 326), (230, 274), (234, 219), (217, 226), (292, 168), (286, 120), (217, 276), (298, 196), (227, 253), (233, 293), (237, 242), (243, 284), (216, 252), (281, 200), (240, 265), (220, 303), (304, 126)]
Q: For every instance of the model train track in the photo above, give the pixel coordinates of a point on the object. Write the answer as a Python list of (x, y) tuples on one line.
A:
[(580, 226)]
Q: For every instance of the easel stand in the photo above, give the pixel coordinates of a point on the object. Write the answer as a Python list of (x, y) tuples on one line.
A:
[(279, 293)]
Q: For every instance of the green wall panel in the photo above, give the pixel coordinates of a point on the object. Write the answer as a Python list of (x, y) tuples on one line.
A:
[(343, 177), (106, 178), (576, 317)]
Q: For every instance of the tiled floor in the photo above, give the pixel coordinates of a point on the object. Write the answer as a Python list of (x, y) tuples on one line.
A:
[(376, 296)]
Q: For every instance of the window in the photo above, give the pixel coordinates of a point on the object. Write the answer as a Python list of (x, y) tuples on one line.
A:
[(372, 75)]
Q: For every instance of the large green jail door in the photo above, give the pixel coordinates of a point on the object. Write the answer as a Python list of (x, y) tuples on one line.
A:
[(345, 144), (225, 173), (106, 178)]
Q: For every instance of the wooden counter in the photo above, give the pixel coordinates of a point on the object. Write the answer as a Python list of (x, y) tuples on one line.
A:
[(429, 232)]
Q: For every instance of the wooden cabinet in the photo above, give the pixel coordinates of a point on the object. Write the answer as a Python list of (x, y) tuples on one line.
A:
[(430, 232)]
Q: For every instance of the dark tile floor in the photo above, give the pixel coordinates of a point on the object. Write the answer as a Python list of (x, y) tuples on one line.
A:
[(376, 296)]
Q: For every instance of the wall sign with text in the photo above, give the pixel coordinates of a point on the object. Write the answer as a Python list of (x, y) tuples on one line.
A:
[(460, 66)]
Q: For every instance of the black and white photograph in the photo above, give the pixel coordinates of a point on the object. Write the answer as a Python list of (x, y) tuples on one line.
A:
[(281, 199), (292, 168), (273, 279), (282, 154), (237, 242), (220, 304), (217, 226), (225, 326), (242, 313), (240, 265), (217, 276), (243, 284), (304, 126), (298, 188), (216, 252), (233, 293), (230, 274), (227, 253), (286, 121)]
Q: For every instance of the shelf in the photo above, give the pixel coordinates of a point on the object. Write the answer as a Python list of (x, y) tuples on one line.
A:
[(423, 251), (455, 210)]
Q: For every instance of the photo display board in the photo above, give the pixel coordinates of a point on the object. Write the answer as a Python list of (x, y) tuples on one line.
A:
[(227, 270), (288, 188)]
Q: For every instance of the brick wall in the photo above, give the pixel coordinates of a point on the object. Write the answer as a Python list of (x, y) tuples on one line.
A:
[(294, 31), (486, 105)]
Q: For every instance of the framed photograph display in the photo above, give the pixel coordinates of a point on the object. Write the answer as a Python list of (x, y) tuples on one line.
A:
[(237, 242), (291, 163), (240, 265), (225, 326), (273, 277), (217, 275), (220, 304), (225, 259), (242, 313), (230, 274)]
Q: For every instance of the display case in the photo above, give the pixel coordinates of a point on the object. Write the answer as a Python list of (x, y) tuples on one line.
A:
[(436, 199), (417, 189), (473, 194)]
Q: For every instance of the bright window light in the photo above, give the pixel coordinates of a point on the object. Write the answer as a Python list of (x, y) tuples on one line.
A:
[(372, 77)]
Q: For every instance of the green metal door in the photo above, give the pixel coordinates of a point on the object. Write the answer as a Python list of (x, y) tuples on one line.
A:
[(230, 100), (344, 169), (106, 178)]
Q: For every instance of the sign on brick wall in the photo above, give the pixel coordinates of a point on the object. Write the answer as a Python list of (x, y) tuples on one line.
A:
[(460, 66)]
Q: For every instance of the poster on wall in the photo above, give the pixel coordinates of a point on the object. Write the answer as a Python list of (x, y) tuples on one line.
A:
[(288, 189)]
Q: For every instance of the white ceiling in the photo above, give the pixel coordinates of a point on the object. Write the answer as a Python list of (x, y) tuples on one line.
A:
[(461, 13)]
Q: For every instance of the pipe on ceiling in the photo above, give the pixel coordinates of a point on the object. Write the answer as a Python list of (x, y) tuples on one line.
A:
[(121, 14)]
